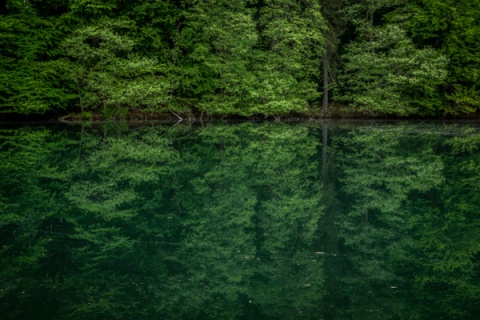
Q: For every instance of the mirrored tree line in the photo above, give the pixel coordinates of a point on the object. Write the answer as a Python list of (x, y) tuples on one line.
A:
[(239, 221)]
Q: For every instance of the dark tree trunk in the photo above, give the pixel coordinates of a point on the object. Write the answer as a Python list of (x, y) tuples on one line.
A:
[(272, 44), (325, 84)]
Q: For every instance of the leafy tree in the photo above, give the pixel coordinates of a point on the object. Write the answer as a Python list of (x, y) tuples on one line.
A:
[(88, 11), (237, 65), (452, 27), (383, 71), (108, 73), (30, 81), (288, 68), (218, 38)]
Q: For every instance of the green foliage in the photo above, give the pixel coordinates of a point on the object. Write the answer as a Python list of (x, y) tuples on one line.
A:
[(30, 81), (244, 57), (219, 40), (288, 72), (386, 74), (238, 65), (108, 73), (87, 10), (453, 27)]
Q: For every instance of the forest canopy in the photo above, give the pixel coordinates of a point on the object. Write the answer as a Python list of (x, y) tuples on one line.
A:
[(240, 57)]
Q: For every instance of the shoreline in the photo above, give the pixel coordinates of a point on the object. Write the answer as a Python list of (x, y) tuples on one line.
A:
[(344, 113)]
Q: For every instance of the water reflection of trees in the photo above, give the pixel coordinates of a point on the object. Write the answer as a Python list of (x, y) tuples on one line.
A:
[(403, 224), (240, 221)]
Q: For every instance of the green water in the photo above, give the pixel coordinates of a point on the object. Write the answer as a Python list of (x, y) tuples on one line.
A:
[(240, 221)]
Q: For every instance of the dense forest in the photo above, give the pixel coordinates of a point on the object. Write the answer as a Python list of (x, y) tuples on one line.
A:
[(240, 57)]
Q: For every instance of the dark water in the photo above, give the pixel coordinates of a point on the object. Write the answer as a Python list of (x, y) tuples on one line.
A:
[(240, 221)]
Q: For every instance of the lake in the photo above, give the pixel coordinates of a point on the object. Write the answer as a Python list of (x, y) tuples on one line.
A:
[(309, 220)]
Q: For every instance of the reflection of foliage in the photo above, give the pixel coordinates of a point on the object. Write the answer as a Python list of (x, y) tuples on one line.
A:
[(192, 225), (234, 222), (450, 236), (275, 194), (380, 168), (405, 233), (28, 206)]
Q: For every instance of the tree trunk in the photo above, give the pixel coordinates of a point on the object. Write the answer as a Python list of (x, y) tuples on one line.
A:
[(370, 18), (80, 97), (272, 44), (325, 84)]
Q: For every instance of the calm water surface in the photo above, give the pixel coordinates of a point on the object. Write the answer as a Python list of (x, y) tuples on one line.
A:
[(240, 221)]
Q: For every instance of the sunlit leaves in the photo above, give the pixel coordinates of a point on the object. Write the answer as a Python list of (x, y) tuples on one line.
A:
[(386, 74), (108, 73)]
